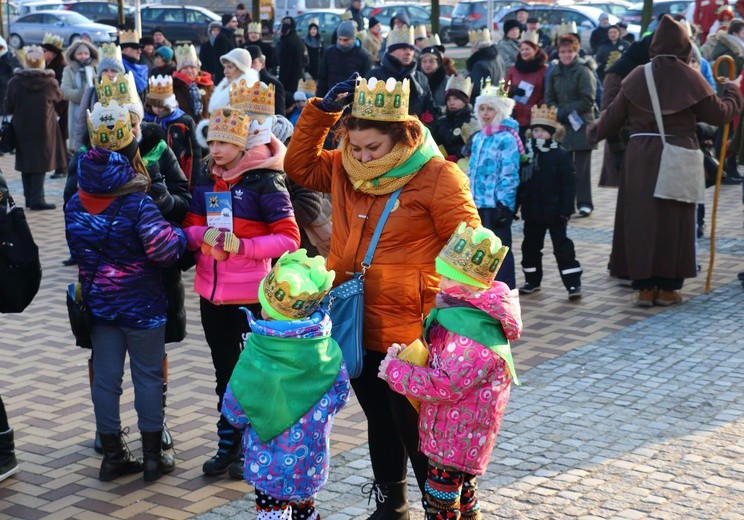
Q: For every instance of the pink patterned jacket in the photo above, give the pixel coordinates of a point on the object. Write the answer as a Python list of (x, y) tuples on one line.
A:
[(464, 388)]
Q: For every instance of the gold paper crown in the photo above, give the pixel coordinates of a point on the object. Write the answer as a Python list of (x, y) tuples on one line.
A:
[(53, 40), (544, 115), (110, 50), (433, 41), (478, 261), (129, 36), (276, 294), (531, 36), (566, 28), (381, 100), (487, 89), (469, 129), (161, 87), (461, 83), (254, 27), (308, 86), (121, 89), (400, 35), (254, 99), (110, 126), (186, 56), (232, 128), (480, 37), (419, 32)]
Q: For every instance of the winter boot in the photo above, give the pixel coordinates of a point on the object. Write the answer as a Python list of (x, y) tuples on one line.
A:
[(228, 449), (36, 194), (154, 462), (117, 459), (391, 499), (26, 189), (8, 462), (167, 438)]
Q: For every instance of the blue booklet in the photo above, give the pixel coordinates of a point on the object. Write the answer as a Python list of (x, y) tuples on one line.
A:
[(219, 209)]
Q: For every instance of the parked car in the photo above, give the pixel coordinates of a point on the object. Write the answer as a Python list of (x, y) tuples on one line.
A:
[(419, 14), (295, 8), (25, 8), (101, 12), (445, 20), (11, 12), (183, 24), (327, 19), (614, 7), (585, 17), (634, 12), (30, 29), (471, 15)]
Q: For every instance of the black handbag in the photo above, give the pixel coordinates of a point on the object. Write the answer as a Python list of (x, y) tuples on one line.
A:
[(7, 136), (20, 267), (78, 312)]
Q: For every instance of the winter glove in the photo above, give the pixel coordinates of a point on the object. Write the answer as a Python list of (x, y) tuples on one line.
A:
[(502, 215), (211, 236), (518, 92), (232, 244), (210, 244), (162, 198), (333, 100)]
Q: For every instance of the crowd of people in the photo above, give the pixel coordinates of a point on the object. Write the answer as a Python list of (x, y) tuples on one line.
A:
[(267, 169)]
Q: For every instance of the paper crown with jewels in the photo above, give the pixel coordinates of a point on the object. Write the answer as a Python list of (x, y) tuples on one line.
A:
[(110, 50), (295, 286), (110, 126), (254, 27), (461, 83), (488, 89), (472, 256), (232, 127), (419, 32), (55, 41), (469, 129), (434, 41), (308, 86), (186, 56), (544, 116), (400, 36), (256, 99), (531, 36), (129, 37), (161, 87), (566, 28), (480, 38), (121, 89), (381, 100)]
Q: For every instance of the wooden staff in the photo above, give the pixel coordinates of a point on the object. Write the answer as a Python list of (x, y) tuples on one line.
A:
[(724, 143)]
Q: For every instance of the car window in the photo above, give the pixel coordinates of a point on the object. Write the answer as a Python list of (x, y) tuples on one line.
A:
[(463, 9), (678, 7), (151, 15), (418, 13), (575, 16), (173, 15), (330, 20), (70, 17), (32, 18), (193, 16)]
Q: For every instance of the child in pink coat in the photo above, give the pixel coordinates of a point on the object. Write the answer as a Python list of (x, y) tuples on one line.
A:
[(465, 385)]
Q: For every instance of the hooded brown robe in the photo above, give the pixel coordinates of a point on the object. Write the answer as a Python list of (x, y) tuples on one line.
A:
[(656, 237)]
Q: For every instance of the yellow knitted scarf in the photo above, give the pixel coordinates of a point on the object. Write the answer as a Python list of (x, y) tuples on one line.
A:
[(370, 177)]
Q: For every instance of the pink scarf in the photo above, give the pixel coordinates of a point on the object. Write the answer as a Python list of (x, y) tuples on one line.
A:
[(264, 156), (491, 129)]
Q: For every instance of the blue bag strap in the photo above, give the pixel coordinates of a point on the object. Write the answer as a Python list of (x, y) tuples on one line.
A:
[(378, 230)]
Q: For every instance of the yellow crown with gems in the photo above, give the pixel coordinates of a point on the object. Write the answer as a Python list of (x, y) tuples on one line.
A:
[(461, 83), (129, 37), (121, 89), (400, 35), (472, 256), (54, 41), (161, 87), (481, 37), (258, 98), (186, 56), (109, 126), (469, 129), (110, 50), (381, 100), (295, 286), (487, 89), (229, 126), (544, 115), (254, 27), (308, 86)]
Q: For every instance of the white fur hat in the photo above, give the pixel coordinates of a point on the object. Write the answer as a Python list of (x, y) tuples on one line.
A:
[(241, 58), (503, 106)]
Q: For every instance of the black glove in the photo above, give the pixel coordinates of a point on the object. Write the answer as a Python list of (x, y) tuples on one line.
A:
[(518, 92), (502, 215), (332, 102), (161, 197)]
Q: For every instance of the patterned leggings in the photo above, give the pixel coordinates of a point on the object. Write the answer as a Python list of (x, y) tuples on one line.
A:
[(270, 508), (450, 494)]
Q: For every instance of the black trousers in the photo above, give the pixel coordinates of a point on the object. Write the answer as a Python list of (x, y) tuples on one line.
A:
[(392, 426), (225, 327), (506, 273), (563, 249), (582, 160)]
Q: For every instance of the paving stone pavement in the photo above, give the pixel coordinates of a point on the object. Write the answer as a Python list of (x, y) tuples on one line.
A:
[(44, 383)]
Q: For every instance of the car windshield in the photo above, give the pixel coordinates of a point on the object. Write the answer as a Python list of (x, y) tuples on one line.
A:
[(72, 17), (463, 8)]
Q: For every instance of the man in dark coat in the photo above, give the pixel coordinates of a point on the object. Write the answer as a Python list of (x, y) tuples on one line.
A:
[(355, 10), (292, 55), (31, 98), (343, 59), (485, 62), (399, 62), (259, 64), (209, 62), (599, 35), (254, 38), (224, 43)]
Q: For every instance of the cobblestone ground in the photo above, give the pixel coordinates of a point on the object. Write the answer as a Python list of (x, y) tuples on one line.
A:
[(645, 423)]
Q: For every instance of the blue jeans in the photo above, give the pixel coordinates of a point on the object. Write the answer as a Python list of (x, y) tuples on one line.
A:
[(146, 349)]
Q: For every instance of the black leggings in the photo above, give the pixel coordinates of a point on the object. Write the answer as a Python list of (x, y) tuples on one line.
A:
[(392, 426)]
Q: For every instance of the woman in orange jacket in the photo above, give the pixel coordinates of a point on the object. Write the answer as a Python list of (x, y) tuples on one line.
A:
[(383, 149)]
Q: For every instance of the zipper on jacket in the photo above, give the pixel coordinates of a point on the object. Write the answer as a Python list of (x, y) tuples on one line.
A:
[(214, 285)]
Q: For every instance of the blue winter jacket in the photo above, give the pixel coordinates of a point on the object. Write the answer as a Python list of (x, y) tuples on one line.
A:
[(494, 168), (126, 288)]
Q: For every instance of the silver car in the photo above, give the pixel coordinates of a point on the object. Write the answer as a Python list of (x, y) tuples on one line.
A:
[(30, 29)]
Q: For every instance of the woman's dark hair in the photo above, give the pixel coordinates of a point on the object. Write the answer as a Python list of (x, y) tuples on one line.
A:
[(406, 132), (569, 40)]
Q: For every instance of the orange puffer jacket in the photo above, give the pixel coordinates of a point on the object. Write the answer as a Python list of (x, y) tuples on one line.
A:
[(402, 283)]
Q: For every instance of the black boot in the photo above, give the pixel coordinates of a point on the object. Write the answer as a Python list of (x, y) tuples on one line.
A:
[(8, 462), (228, 449), (154, 462), (117, 459), (36, 194), (167, 437), (26, 189), (391, 499)]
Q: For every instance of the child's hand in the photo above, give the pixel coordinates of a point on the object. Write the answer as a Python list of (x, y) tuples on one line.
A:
[(395, 349), (392, 353)]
